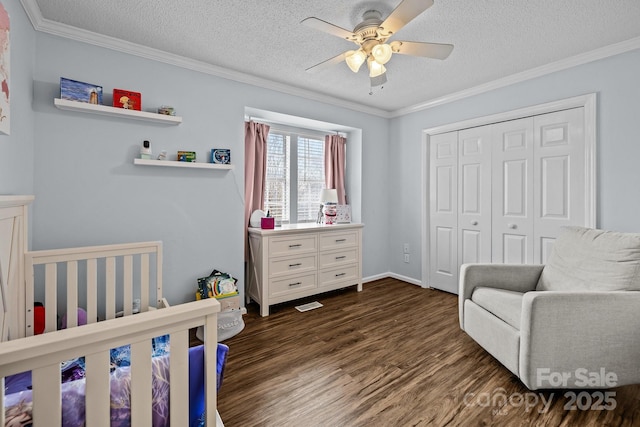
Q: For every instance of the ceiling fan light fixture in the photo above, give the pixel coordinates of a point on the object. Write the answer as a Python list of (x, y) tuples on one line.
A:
[(382, 53), (376, 68), (355, 59)]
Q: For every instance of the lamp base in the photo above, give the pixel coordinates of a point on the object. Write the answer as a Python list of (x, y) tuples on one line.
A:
[(330, 211)]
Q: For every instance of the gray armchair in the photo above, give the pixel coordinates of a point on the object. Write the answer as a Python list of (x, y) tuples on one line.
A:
[(572, 323)]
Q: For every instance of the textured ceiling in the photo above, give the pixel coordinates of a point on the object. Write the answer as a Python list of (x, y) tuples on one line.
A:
[(493, 39)]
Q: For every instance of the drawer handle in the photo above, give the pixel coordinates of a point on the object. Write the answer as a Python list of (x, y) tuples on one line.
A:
[(340, 240), (297, 245), (341, 257), (295, 284), (295, 265), (341, 274)]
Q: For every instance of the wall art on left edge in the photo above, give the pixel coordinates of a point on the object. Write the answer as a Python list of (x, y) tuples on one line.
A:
[(4, 71)]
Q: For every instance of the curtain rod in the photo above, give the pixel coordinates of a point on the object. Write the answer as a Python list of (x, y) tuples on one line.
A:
[(274, 122)]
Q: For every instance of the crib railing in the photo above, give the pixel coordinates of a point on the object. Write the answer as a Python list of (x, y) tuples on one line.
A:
[(129, 257), (42, 355)]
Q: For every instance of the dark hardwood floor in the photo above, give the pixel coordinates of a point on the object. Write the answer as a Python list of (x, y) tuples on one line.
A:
[(391, 355)]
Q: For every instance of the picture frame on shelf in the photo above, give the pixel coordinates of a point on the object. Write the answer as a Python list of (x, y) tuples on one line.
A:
[(74, 90), (127, 99), (221, 156)]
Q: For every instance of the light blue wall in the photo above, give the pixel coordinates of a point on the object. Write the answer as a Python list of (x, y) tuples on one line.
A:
[(615, 80), (16, 149), (89, 192)]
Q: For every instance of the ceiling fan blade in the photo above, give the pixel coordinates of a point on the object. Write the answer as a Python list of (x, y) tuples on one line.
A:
[(326, 64), (326, 27), (403, 13), (429, 50)]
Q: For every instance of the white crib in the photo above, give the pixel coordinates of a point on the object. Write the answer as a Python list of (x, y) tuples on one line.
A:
[(105, 281)]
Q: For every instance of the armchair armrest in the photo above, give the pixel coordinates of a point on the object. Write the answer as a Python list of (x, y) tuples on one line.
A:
[(563, 332), (512, 277)]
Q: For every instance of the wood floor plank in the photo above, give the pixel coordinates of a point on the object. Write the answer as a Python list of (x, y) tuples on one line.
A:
[(391, 355)]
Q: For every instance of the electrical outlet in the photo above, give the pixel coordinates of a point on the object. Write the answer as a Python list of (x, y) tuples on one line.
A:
[(406, 258), (406, 249)]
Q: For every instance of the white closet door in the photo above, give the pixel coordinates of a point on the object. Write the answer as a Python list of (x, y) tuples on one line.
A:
[(443, 206), (512, 222), (560, 190), (474, 195)]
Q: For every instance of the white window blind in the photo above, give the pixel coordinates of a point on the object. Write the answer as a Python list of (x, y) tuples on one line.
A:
[(295, 172), (310, 177), (278, 183)]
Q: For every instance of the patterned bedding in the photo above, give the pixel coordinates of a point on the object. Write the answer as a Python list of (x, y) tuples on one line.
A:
[(18, 402)]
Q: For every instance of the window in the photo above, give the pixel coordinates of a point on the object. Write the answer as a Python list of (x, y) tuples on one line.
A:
[(295, 172)]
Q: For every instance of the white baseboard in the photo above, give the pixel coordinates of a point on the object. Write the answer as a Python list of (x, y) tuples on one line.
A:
[(394, 276), (375, 277)]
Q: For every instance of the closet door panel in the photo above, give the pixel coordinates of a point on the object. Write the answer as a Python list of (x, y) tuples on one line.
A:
[(560, 190), (512, 199), (443, 206), (474, 195)]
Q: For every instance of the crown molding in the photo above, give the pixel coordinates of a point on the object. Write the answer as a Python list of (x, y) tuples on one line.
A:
[(533, 73), (66, 31)]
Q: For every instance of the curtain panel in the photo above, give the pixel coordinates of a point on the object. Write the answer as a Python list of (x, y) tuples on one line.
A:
[(255, 169), (334, 165)]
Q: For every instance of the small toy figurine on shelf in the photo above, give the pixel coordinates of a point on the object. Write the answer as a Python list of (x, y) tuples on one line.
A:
[(162, 155)]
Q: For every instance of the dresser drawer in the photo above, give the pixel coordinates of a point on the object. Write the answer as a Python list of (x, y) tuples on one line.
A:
[(337, 275), (291, 265), (291, 245), (291, 285), (338, 257), (338, 240)]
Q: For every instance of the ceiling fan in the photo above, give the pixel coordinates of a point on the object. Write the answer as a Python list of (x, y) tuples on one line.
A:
[(371, 36)]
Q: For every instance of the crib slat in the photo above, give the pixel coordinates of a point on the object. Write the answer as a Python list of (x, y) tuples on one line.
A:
[(141, 383), (2, 422), (72, 294), (46, 396), (159, 275), (210, 353), (179, 378), (29, 297), (92, 290), (110, 288), (144, 282), (51, 297), (97, 389), (128, 285)]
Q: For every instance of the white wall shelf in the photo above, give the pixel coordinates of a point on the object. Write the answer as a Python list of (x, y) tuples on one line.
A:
[(105, 110), (176, 164)]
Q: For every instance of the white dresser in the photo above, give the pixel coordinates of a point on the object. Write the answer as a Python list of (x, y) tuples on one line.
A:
[(298, 260)]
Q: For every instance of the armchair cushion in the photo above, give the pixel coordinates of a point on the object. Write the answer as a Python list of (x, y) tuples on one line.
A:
[(506, 305), (584, 259)]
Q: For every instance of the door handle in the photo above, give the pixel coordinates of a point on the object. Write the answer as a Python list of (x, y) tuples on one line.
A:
[(474, 222), (512, 226)]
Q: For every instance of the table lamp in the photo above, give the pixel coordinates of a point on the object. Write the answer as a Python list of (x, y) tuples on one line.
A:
[(329, 201)]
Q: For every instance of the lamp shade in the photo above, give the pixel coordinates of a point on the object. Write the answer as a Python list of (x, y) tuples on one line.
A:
[(376, 68), (329, 195), (382, 53), (355, 59)]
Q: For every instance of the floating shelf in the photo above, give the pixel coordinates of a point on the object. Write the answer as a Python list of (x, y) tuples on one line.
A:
[(176, 164), (105, 110)]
